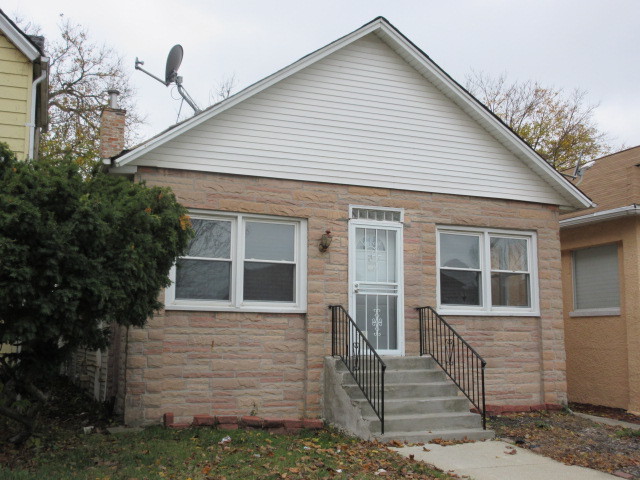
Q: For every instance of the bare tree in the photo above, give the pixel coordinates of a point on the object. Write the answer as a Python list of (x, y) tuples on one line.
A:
[(223, 89), (81, 72), (557, 125)]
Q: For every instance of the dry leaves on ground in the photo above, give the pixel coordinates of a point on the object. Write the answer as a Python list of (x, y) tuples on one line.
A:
[(572, 440)]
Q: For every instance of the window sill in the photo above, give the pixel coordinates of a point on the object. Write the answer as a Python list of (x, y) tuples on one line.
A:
[(596, 312), (487, 313), (246, 308)]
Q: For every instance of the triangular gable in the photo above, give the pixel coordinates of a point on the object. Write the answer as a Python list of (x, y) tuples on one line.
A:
[(369, 109)]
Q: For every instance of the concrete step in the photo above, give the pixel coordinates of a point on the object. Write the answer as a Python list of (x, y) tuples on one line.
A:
[(409, 390), (421, 403), (407, 406), (400, 363), (409, 363), (426, 422), (395, 377), (448, 434)]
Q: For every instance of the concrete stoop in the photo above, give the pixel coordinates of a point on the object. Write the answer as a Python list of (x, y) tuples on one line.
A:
[(421, 403)]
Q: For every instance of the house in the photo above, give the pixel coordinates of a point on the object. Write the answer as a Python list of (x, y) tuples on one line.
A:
[(600, 283), (430, 200), (23, 88)]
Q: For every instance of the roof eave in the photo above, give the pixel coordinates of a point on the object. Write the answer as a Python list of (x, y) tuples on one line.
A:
[(18, 38), (602, 216)]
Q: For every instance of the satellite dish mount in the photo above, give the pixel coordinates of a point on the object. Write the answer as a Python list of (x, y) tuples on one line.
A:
[(174, 59)]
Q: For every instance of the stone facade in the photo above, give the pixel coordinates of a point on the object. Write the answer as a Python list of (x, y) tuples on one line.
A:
[(228, 363)]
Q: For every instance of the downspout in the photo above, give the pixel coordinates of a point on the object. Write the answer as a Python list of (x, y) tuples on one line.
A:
[(34, 93)]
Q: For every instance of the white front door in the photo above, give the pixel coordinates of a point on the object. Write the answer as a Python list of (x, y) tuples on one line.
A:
[(375, 273)]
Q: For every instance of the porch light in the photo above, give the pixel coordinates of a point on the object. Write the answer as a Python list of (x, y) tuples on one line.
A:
[(325, 241)]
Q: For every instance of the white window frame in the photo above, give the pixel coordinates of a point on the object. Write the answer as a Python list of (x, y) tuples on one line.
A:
[(236, 301), (485, 268), (594, 312)]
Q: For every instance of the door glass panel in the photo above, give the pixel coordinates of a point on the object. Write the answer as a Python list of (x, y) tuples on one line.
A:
[(361, 255), (375, 255), (376, 286), (377, 317)]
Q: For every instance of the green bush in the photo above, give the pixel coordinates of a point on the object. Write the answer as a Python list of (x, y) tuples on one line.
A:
[(78, 254)]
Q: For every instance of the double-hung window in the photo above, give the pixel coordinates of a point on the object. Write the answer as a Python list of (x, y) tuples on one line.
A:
[(486, 271), (241, 262)]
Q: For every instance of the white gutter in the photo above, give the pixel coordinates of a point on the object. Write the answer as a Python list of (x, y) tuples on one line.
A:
[(601, 216), (34, 93)]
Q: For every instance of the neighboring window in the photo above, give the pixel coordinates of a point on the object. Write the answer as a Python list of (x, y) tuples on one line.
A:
[(486, 271), (241, 262), (596, 283)]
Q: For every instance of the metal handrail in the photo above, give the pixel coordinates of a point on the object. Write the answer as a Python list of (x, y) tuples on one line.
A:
[(361, 359), (458, 359)]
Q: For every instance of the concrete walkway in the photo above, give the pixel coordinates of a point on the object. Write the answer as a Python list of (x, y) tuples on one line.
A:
[(608, 421), (490, 461)]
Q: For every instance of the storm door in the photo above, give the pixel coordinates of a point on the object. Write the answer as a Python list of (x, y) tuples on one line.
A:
[(376, 283)]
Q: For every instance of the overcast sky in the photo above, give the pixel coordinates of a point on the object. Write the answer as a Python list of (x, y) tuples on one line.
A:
[(593, 45)]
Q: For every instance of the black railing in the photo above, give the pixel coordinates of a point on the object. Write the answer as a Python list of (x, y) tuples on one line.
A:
[(456, 357), (349, 343)]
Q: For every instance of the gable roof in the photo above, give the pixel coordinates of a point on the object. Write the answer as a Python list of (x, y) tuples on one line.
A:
[(21, 40), (572, 198)]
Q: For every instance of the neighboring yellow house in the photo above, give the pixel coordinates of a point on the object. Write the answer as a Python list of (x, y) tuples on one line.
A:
[(23, 88), (601, 282)]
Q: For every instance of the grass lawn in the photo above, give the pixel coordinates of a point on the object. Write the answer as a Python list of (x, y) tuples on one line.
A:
[(199, 453), (59, 450)]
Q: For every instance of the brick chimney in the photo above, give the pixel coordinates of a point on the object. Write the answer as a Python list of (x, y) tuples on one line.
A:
[(112, 127)]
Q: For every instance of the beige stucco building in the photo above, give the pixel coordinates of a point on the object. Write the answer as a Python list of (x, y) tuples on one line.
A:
[(601, 285), (23, 88)]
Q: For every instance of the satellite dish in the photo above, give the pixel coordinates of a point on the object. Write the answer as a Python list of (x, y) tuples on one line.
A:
[(174, 59)]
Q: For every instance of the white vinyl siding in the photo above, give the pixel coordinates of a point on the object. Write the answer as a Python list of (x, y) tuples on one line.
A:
[(360, 116), (596, 281)]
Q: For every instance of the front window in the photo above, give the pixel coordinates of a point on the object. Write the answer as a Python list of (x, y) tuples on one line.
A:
[(486, 271), (241, 262)]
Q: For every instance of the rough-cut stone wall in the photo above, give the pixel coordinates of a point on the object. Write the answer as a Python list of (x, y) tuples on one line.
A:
[(212, 363)]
